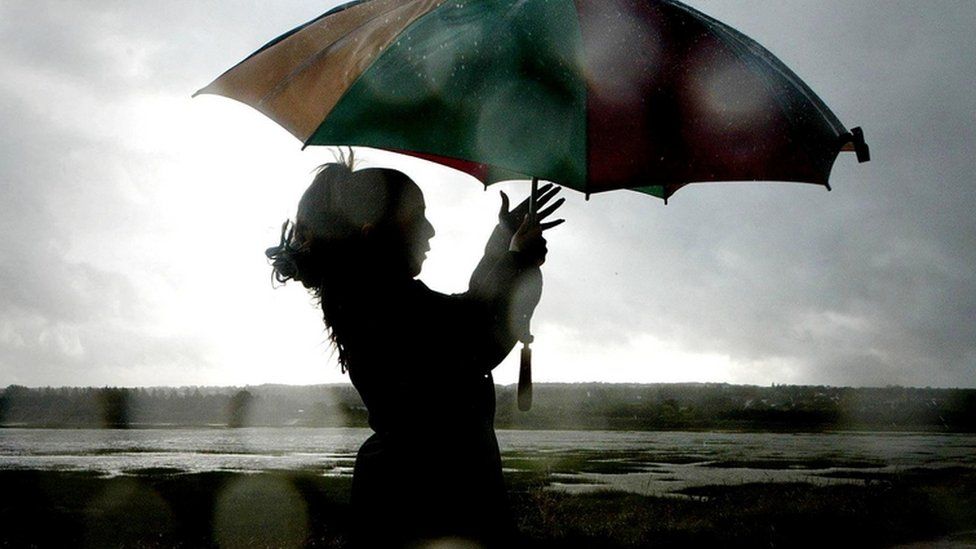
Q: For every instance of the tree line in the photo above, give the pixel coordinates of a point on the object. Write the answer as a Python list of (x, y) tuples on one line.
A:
[(556, 406)]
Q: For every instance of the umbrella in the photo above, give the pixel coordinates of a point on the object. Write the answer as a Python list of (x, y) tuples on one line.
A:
[(594, 95)]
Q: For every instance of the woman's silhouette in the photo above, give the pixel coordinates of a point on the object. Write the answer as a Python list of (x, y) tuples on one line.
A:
[(421, 360)]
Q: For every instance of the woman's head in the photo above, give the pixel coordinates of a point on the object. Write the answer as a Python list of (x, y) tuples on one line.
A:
[(350, 221), (355, 232)]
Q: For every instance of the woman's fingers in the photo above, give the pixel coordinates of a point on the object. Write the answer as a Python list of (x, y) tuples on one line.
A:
[(550, 224), (531, 226), (503, 211), (543, 195), (518, 219), (545, 213), (546, 194)]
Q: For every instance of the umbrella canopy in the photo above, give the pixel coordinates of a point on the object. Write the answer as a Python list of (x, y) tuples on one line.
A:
[(594, 95)]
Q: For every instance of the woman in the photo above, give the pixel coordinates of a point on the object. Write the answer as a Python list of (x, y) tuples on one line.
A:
[(421, 360)]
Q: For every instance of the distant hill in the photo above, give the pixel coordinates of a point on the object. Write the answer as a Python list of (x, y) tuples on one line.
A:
[(264, 405), (556, 406), (740, 407)]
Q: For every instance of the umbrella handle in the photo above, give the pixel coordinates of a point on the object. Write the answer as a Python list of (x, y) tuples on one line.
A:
[(525, 378)]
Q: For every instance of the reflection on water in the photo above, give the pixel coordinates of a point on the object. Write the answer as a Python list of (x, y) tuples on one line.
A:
[(114, 452), (645, 462), (663, 462)]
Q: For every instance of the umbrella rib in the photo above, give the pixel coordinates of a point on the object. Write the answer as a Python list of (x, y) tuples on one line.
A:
[(311, 60), (277, 40), (300, 28)]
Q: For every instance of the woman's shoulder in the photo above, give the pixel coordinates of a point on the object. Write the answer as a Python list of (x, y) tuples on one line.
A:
[(420, 291)]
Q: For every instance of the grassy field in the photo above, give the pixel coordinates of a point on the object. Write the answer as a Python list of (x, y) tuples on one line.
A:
[(165, 508)]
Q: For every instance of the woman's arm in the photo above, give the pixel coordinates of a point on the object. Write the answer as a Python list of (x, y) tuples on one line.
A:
[(477, 329), (494, 313), (508, 223)]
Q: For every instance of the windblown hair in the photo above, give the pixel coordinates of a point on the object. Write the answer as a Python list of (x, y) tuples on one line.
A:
[(324, 247)]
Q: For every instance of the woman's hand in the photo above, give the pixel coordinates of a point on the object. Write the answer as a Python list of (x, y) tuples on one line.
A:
[(511, 220), (528, 241)]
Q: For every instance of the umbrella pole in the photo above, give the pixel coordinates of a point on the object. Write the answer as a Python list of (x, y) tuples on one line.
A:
[(532, 205), (525, 366)]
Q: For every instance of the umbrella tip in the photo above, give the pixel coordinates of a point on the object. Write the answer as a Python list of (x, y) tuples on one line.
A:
[(201, 91), (861, 148)]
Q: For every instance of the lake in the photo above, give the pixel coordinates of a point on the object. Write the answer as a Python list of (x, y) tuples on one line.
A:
[(653, 463)]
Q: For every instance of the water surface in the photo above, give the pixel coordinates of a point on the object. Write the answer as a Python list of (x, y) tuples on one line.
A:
[(644, 462)]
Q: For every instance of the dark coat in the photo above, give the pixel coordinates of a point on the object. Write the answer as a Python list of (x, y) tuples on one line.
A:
[(423, 368)]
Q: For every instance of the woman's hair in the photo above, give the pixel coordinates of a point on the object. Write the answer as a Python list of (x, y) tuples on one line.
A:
[(324, 247)]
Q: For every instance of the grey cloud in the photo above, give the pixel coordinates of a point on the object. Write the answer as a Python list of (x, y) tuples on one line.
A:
[(62, 320), (37, 350)]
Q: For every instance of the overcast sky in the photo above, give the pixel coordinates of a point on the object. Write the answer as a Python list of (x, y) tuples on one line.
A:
[(133, 218)]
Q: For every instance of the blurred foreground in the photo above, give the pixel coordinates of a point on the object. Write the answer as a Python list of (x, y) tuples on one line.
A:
[(166, 508)]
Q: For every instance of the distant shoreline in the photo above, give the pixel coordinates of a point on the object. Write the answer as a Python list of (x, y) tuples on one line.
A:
[(557, 406)]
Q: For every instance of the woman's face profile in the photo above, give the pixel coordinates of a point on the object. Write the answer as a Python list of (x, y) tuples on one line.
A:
[(413, 227), (384, 207)]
